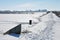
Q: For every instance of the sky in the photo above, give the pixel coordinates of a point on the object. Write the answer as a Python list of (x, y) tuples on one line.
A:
[(29, 4)]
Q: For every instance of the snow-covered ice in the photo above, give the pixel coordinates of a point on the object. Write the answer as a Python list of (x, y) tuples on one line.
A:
[(46, 29)]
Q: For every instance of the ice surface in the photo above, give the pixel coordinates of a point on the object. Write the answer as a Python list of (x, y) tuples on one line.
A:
[(46, 29)]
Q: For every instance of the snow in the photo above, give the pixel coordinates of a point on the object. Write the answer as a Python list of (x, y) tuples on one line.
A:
[(5, 27), (57, 31), (38, 27), (50, 28), (46, 29)]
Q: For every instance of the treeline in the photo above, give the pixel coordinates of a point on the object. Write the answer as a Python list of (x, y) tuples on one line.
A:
[(57, 13), (20, 12), (10, 12)]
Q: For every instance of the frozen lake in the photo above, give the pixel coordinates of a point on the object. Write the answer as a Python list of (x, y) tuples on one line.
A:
[(48, 25)]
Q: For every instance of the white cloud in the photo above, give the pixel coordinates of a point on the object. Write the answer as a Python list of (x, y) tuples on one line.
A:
[(26, 6), (32, 6)]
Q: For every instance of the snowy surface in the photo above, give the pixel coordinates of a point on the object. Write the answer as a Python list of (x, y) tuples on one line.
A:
[(46, 29)]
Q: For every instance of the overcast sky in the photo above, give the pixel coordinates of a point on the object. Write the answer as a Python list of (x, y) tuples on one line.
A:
[(29, 4)]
